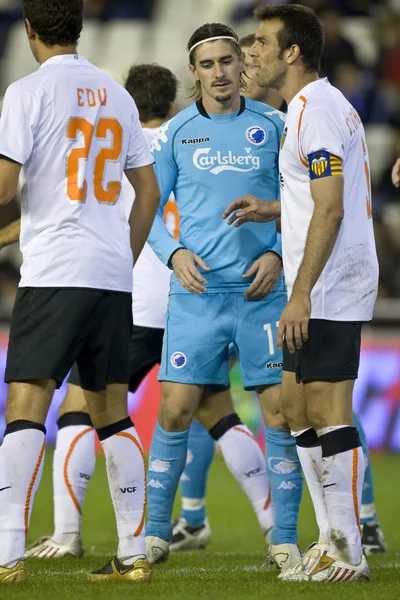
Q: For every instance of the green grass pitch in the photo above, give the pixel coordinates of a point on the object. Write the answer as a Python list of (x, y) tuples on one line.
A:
[(231, 567)]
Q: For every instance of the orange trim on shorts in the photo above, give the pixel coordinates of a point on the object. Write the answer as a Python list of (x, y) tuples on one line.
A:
[(354, 486), (250, 435), (268, 500), (302, 159), (67, 458), (129, 436), (31, 484)]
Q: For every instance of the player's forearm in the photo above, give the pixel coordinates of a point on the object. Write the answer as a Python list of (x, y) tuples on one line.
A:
[(10, 234), (321, 238), (161, 241), (142, 216)]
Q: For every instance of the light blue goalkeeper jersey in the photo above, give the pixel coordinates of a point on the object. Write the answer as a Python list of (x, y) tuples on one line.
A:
[(207, 161)]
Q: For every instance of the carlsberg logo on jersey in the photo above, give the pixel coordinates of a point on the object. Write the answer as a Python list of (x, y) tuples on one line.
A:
[(218, 162)]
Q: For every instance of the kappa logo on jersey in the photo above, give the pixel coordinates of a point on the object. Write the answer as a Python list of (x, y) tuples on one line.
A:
[(219, 162), (324, 164), (256, 135), (274, 365), (185, 141), (178, 360), (283, 138)]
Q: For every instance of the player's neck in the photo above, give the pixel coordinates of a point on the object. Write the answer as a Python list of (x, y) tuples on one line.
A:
[(45, 52), (153, 123), (214, 107), (294, 83)]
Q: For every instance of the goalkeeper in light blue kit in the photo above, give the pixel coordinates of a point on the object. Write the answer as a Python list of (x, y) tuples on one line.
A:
[(226, 288)]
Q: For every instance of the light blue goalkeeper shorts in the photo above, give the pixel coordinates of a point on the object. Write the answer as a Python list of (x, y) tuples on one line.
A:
[(199, 330)]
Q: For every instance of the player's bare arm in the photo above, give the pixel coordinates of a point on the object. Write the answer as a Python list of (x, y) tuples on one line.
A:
[(9, 176), (185, 265), (396, 173), (268, 269), (10, 234), (327, 194), (147, 200), (251, 209)]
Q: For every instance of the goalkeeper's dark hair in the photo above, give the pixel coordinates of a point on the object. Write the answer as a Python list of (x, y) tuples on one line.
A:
[(56, 22)]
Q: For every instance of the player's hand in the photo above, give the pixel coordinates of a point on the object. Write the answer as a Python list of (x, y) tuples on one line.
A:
[(396, 173), (293, 324), (268, 268), (184, 264), (248, 208)]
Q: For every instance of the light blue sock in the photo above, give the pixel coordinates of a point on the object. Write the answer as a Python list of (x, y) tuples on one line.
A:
[(368, 513), (166, 462), (201, 448), (286, 477)]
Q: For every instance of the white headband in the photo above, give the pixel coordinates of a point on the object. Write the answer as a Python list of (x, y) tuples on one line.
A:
[(212, 39)]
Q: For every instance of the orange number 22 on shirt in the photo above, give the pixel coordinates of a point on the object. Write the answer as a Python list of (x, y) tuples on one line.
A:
[(103, 195)]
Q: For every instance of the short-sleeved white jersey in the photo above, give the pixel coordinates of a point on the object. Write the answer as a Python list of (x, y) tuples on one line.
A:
[(75, 130), (151, 278), (320, 118)]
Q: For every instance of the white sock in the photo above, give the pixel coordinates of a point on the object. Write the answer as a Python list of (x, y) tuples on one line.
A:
[(311, 463), (73, 466), (126, 478), (246, 462), (21, 462), (342, 477)]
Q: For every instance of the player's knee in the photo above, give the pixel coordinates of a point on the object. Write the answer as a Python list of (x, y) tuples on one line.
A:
[(293, 413), (316, 417), (174, 416)]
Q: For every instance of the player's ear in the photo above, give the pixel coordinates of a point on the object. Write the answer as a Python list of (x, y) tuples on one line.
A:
[(194, 72), (31, 33), (293, 54)]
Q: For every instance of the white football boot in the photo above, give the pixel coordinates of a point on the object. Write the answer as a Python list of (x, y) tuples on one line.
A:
[(46, 547), (284, 556), (185, 537), (157, 550), (317, 565)]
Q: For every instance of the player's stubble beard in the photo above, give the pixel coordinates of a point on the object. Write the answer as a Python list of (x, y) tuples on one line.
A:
[(275, 81), (223, 98)]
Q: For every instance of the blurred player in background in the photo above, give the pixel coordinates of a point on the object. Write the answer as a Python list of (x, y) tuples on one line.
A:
[(75, 131), (332, 276), (218, 145)]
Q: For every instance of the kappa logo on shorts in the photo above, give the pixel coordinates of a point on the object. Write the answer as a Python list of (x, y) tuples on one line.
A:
[(274, 365), (178, 360)]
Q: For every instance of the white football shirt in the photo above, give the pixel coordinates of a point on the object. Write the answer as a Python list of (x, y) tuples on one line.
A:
[(320, 118), (75, 130), (151, 278)]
